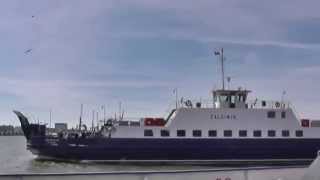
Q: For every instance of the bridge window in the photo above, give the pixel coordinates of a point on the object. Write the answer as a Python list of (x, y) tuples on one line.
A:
[(227, 133), (283, 114), (243, 133), (285, 133), (148, 132), (181, 133), (271, 133), (271, 114), (212, 133), (257, 133), (299, 133), (164, 133), (196, 133)]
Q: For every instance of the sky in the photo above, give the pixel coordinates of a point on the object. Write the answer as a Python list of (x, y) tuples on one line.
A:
[(57, 55)]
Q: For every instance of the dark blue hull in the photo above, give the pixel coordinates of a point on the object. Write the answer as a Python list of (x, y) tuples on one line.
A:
[(175, 149)]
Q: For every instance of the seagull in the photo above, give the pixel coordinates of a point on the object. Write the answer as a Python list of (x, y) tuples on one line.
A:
[(28, 51)]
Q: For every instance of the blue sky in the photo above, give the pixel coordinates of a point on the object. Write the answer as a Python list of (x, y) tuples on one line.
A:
[(103, 52)]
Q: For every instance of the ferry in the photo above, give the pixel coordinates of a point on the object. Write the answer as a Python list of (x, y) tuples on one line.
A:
[(232, 129)]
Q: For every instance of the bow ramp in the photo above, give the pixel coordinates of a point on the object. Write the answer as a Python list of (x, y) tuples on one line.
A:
[(25, 125)]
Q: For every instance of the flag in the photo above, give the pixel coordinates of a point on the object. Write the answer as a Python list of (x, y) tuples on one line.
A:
[(216, 53)]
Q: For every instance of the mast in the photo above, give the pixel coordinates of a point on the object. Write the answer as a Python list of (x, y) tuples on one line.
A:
[(175, 91), (92, 125), (50, 118), (104, 114), (222, 68), (97, 119), (220, 53), (120, 110), (80, 119)]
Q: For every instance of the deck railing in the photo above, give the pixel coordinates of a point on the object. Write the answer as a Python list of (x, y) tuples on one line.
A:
[(251, 104), (263, 104), (208, 103)]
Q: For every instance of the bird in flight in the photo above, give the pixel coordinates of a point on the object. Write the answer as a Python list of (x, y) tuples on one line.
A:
[(28, 51)]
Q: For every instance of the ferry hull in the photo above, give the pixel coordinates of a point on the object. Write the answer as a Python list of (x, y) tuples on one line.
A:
[(149, 149)]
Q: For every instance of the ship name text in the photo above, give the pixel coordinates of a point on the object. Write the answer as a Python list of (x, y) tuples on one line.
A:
[(223, 116)]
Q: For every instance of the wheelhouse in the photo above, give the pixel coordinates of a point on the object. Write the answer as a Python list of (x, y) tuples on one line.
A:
[(230, 98)]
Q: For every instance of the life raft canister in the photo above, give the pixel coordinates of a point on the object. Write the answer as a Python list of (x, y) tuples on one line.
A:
[(159, 122), (305, 122), (154, 122), (148, 121)]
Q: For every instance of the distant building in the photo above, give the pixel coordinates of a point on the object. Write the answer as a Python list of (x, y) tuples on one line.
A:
[(60, 127)]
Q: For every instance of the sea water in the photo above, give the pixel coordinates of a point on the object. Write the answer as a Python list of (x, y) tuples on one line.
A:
[(16, 159)]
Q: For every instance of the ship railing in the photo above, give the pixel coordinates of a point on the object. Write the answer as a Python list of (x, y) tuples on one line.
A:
[(130, 121), (250, 104), (264, 104), (187, 103)]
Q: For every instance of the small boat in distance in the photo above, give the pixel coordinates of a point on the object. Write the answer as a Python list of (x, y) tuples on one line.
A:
[(233, 130)]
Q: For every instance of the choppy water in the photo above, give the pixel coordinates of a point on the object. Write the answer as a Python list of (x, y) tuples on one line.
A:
[(14, 158)]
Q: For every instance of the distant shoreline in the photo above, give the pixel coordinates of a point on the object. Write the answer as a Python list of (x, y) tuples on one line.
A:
[(11, 135)]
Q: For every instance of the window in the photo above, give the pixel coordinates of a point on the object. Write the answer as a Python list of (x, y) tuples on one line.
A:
[(148, 132), (257, 133), (181, 133), (212, 133), (243, 133), (196, 133), (165, 133), (271, 133), (285, 133), (283, 114), (299, 133), (271, 114), (227, 133)]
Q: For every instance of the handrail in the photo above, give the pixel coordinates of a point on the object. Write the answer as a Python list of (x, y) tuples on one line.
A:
[(265, 104)]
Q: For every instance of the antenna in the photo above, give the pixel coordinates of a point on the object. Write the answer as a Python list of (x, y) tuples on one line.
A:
[(220, 53), (283, 95), (228, 80)]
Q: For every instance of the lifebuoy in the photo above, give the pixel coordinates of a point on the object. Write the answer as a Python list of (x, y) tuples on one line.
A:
[(188, 103)]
